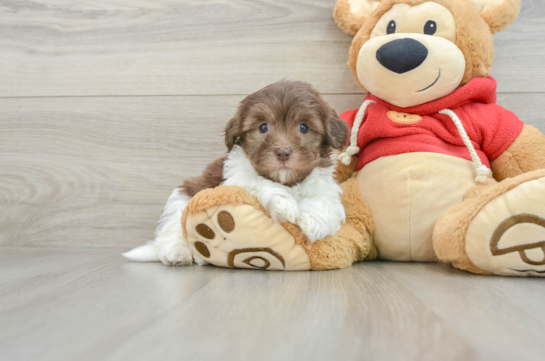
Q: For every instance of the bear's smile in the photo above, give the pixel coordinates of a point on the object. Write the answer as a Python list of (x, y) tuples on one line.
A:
[(435, 82)]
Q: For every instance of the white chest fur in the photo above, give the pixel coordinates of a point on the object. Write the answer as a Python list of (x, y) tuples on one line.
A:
[(314, 204)]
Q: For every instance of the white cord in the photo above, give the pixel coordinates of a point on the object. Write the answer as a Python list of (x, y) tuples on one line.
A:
[(483, 172), (346, 157)]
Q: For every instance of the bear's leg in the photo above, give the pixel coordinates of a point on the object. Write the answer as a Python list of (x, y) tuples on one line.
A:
[(498, 229), (353, 241), (228, 227)]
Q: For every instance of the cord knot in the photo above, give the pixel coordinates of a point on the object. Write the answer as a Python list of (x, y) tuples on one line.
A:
[(483, 174), (346, 156)]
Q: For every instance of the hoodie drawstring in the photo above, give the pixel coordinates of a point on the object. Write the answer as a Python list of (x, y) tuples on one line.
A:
[(346, 157), (483, 172)]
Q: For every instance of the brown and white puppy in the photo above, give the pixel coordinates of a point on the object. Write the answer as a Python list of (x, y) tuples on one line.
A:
[(281, 148)]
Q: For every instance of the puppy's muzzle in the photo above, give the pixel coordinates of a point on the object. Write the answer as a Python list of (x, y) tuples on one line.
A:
[(402, 55)]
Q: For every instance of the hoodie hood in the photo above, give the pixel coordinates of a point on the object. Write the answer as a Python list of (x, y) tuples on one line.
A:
[(466, 124), (478, 90)]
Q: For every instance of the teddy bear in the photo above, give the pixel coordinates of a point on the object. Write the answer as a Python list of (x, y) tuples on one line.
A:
[(435, 171)]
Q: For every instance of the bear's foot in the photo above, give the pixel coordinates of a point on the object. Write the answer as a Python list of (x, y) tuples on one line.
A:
[(499, 230), (228, 228)]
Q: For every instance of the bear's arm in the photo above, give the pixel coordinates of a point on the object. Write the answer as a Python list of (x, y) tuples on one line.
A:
[(525, 154), (345, 172)]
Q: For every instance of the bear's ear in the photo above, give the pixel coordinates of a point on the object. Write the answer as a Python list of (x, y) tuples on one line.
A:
[(350, 14), (498, 14)]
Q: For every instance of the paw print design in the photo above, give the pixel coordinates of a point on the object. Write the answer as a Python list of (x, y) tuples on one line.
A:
[(240, 236), (537, 249), (507, 236)]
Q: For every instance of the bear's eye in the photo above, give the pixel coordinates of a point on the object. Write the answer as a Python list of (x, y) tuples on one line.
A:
[(264, 128), (391, 27), (430, 28)]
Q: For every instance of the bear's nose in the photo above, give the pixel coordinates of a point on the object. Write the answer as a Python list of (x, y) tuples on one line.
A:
[(283, 154), (402, 55)]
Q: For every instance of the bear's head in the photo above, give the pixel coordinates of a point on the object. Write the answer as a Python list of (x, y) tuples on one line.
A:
[(410, 52)]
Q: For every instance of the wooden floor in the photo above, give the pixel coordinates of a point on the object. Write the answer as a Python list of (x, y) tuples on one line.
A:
[(106, 105), (68, 304)]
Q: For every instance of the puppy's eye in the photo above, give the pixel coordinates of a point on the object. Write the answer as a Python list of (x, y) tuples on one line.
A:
[(392, 26), (430, 28), (264, 128), (303, 128)]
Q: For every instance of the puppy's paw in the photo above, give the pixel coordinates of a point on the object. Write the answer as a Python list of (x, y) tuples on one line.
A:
[(175, 254), (284, 209), (312, 227)]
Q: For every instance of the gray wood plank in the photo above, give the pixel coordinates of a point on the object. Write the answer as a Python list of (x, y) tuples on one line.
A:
[(95, 172), (188, 47), (474, 304), (83, 308), (105, 308)]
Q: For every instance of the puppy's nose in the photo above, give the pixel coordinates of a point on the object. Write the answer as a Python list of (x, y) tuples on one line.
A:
[(402, 55), (283, 154)]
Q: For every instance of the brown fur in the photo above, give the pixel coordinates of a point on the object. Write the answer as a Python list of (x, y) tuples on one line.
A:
[(344, 172), (210, 178), (345, 19), (284, 106), (527, 153), (502, 16)]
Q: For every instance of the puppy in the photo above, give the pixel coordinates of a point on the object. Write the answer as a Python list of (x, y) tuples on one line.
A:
[(282, 148)]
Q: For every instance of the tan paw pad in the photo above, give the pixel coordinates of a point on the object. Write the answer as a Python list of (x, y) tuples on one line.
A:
[(243, 237), (507, 237)]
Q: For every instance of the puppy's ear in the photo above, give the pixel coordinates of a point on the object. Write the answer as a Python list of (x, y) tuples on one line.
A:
[(498, 14), (233, 130), (351, 14), (338, 131)]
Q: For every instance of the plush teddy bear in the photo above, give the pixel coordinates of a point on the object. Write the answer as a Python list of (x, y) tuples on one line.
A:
[(443, 172)]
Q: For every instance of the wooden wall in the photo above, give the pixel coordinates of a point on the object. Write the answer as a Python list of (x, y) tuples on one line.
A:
[(106, 105)]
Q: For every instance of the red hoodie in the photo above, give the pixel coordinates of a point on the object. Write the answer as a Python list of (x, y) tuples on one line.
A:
[(388, 130)]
